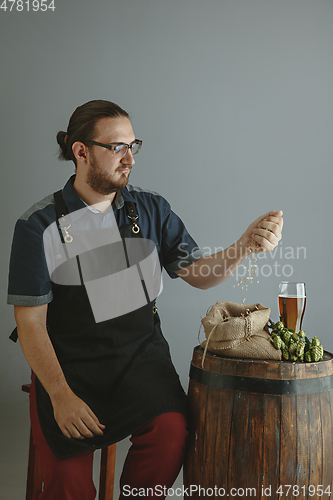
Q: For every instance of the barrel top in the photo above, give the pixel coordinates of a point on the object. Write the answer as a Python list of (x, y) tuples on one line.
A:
[(263, 368)]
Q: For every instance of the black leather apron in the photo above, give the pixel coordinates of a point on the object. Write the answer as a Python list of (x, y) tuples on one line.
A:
[(120, 367)]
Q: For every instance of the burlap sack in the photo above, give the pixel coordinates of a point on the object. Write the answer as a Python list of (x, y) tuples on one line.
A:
[(237, 331)]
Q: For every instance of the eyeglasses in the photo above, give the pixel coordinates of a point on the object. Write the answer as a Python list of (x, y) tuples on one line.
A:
[(119, 150)]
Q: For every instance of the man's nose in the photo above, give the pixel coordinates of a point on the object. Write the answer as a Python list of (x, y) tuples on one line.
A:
[(128, 158)]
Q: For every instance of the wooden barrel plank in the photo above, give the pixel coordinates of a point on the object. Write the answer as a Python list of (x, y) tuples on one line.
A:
[(239, 455), (223, 444), (255, 438), (301, 476), (316, 437), (288, 457), (326, 414), (271, 444), (211, 451)]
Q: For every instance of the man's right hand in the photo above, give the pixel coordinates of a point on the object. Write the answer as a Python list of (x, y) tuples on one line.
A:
[(74, 417)]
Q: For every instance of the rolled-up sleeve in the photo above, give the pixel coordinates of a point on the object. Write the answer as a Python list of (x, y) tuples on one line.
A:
[(29, 282), (179, 249)]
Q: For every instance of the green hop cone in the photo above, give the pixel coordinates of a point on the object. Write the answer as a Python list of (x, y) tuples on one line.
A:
[(300, 348), (301, 357), (277, 341), (292, 347), (301, 334), (293, 357), (316, 353), (285, 354), (279, 326), (286, 336), (295, 337), (315, 341), (307, 357)]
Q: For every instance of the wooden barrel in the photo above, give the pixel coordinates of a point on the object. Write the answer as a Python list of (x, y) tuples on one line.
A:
[(260, 429)]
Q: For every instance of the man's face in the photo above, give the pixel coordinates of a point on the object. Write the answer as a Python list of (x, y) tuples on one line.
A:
[(106, 173)]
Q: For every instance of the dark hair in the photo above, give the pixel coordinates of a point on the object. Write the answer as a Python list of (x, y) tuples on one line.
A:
[(82, 125)]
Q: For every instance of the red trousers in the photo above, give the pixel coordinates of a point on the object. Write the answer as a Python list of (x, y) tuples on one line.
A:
[(154, 460)]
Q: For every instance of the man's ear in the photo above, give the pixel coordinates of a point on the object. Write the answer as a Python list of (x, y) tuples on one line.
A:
[(80, 151)]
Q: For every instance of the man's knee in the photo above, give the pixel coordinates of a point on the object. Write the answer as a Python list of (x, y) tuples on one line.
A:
[(172, 423), (168, 431)]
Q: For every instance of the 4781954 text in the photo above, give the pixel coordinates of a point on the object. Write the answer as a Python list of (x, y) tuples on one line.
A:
[(27, 5), (311, 490)]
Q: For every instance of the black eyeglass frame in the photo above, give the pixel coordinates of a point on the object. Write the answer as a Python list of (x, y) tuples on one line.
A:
[(113, 146)]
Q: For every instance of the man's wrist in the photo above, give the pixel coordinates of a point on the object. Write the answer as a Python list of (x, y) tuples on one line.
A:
[(58, 389), (243, 248)]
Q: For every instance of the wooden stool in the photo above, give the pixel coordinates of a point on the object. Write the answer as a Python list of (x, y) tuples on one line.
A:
[(106, 478)]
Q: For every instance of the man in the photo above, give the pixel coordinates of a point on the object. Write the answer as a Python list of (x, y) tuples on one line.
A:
[(96, 382)]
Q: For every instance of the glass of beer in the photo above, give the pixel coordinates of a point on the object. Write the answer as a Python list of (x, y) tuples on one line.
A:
[(291, 301)]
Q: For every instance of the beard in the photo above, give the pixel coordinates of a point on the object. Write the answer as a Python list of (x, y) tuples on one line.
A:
[(102, 182)]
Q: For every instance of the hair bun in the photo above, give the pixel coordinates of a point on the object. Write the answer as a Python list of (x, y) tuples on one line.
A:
[(62, 139)]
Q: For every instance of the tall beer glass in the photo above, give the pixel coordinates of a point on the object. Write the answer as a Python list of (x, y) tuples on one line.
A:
[(291, 301)]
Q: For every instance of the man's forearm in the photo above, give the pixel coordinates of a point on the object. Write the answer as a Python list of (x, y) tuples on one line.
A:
[(214, 269), (39, 353), (261, 236), (73, 415)]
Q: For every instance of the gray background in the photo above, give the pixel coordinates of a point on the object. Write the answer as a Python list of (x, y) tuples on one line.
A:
[(233, 102)]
